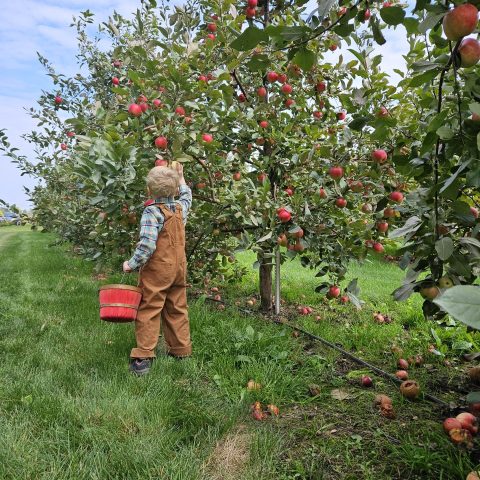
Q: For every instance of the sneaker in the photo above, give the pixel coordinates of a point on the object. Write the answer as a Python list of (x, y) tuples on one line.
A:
[(140, 366)]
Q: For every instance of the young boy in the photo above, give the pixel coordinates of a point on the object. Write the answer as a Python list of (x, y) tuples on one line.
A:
[(160, 256)]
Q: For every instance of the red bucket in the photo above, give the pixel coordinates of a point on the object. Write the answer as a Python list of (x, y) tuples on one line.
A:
[(119, 303)]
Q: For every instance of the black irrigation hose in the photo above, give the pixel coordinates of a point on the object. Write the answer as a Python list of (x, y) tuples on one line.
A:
[(345, 353)]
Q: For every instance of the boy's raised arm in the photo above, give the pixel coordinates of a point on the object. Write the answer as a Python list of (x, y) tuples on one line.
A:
[(185, 193)]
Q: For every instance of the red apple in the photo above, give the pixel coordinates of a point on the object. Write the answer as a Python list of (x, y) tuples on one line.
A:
[(382, 226), (474, 212), (402, 374), (252, 3), (322, 193), (70, 134), (287, 88), (242, 98), (207, 138), (341, 115), (367, 208), (336, 172), (58, 100), (289, 102), (403, 364), (367, 15), (460, 21), (321, 86), (272, 77), (396, 196), (299, 233), (342, 11), (378, 247), (142, 99), (135, 110), (180, 111), (63, 146), (161, 142), (469, 52), (340, 202), (263, 124), (157, 103), (356, 186), (261, 177), (284, 215), (383, 112), (115, 80), (262, 92), (389, 212), (450, 424), (212, 27), (282, 78), (366, 381), (317, 114), (237, 176), (333, 47), (161, 162), (144, 107), (344, 299), (250, 12), (282, 240), (468, 421), (202, 78), (117, 63), (379, 156), (334, 291)]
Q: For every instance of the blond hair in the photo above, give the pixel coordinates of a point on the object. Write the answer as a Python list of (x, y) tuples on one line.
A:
[(163, 182)]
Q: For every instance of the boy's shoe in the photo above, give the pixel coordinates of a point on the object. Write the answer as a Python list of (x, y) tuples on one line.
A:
[(140, 366)]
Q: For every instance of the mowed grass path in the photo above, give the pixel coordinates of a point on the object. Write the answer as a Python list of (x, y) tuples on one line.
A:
[(69, 409)]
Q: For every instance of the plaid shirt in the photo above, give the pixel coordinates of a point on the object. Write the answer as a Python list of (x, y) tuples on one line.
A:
[(151, 225)]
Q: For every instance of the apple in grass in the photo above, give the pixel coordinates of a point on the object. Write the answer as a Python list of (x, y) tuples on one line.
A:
[(460, 21), (336, 172), (135, 110), (469, 52), (334, 291)]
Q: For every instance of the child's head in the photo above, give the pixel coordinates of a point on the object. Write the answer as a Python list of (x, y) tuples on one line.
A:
[(163, 182)]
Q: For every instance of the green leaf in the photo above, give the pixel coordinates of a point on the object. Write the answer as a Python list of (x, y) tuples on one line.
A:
[(377, 32), (249, 39), (305, 59), (452, 178), (430, 21), (392, 15), (424, 78), (258, 63), (474, 108), (473, 397), (410, 226), (358, 122), (445, 133), (345, 29), (462, 302), (444, 248)]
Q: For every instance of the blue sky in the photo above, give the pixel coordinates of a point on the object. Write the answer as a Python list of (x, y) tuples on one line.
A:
[(29, 26)]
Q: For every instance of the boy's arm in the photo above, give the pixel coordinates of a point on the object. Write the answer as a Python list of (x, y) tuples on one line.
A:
[(150, 225), (185, 193)]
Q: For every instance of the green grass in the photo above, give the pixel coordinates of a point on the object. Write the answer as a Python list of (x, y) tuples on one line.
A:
[(69, 409)]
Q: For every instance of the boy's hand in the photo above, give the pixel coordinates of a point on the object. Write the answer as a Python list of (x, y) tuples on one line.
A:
[(126, 267), (180, 173)]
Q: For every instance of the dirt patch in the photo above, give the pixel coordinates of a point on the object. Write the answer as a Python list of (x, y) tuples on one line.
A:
[(229, 457)]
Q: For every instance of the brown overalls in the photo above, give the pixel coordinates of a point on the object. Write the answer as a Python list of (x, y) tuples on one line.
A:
[(163, 281)]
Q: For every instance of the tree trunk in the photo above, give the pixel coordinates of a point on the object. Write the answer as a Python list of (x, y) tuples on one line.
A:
[(266, 284)]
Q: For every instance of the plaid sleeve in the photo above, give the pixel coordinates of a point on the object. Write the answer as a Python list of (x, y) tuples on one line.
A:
[(185, 200), (150, 225)]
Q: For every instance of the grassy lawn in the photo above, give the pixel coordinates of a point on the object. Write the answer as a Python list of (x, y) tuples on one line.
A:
[(69, 409)]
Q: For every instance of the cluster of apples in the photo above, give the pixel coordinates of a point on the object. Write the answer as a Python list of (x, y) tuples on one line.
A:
[(462, 428), (283, 240), (431, 290), (458, 23), (381, 318)]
